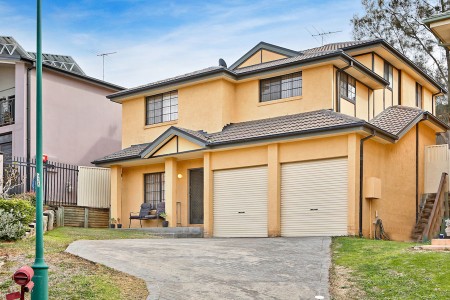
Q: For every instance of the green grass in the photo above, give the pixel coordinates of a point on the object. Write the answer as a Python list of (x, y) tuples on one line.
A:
[(393, 270), (71, 277)]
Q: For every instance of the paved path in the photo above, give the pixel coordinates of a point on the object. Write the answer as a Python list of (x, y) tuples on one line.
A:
[(275, 268)]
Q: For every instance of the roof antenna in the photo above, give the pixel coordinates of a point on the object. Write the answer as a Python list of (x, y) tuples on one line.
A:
[(322, 34), (103, 56), (222, 63)]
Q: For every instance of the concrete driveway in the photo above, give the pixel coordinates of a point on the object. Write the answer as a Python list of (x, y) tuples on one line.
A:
[(245, 268)]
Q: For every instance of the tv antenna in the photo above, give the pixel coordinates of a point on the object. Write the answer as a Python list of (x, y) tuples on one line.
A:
[(103, 56), (322, 34)]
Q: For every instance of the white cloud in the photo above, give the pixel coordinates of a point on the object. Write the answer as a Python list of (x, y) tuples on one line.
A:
[(215, 31)]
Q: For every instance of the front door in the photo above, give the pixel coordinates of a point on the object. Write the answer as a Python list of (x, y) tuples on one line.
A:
[(196, 196)]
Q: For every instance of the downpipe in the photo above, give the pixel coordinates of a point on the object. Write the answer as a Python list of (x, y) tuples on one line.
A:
[(361, 179)]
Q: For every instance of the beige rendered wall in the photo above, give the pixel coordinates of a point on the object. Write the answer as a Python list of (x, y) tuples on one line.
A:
[(347, 107), (206, 106), (365, 59), (408, 90), (261, 56), (317, 94), (221, 102), (272, 155), (395, 165), (362, 101), (252, 60), (270, 56), (133, 190)]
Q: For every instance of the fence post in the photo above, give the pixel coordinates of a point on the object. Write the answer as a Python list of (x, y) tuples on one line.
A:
[(86, 217), (1, 172)]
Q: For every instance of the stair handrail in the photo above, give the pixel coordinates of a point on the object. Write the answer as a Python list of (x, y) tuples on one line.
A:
[(438, 201)]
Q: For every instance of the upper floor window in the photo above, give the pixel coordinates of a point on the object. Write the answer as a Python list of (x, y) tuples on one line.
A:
[(7, 110), (389, 73), (418, 95), (280, 87), (162, 108), (348, 87)]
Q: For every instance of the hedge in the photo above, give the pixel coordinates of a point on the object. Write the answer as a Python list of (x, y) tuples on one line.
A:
[(23, 209)]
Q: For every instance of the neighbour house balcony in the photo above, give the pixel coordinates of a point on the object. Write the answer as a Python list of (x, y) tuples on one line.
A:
[(7, 110)]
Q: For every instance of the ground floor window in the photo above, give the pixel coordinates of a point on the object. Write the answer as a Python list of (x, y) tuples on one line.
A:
[(154, 188), (6, 146)]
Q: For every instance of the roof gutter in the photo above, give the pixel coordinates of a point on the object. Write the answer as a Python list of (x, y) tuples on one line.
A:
[(133, 91), (400, 56), (116, 97)]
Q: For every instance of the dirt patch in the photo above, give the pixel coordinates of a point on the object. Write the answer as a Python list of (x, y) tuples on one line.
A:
[(342, 285), (64, 269)]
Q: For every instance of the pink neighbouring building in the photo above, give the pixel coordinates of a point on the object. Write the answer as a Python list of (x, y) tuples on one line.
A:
[(80, 124)]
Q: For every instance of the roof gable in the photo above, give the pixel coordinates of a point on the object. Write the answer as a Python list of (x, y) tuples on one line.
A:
[(259, 49), (175, 140), (398, 120)]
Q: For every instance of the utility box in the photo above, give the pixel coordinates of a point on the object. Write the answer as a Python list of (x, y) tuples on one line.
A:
[(373, 188)]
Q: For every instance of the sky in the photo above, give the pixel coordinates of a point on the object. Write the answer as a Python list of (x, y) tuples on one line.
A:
[(155, 40)]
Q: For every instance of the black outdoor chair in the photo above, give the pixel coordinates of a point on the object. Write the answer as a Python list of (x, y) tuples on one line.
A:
[(160, 208), (144, 214)]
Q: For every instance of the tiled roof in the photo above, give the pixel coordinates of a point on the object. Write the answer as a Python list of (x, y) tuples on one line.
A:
[(284, 125), (395, 119), (200, 134), (131, 152), (283, 61), (336, 46), (169, 80), (320, 120), (392, 122)]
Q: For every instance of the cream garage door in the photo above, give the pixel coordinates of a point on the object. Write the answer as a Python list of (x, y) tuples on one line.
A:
[(240, 202), (314, 198)]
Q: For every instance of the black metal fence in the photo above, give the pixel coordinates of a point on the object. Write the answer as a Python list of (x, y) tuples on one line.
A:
[(60, 181)]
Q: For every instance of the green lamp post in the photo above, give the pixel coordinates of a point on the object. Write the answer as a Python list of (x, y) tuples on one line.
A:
[(40, 279)]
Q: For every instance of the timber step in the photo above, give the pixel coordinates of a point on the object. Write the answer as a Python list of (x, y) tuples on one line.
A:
[(423, 217), (431, 213)]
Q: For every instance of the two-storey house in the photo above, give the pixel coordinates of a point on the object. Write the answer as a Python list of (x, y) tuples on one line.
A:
[(281, 143), (80, 124)]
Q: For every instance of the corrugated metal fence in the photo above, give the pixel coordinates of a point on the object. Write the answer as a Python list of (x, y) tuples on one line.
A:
[(94, 187), (437, 160)]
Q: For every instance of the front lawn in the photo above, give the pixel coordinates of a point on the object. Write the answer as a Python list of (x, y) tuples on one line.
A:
[(370, 269), (71, 277)]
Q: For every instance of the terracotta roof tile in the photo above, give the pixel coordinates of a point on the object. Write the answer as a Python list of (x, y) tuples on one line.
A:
[(396, 118), (131, 152), (284, 125), (393, 120)]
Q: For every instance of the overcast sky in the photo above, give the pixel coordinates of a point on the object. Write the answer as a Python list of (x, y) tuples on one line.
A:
[(159, 39)]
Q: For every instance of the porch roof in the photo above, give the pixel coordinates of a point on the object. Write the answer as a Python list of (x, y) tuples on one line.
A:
[(390, 125)]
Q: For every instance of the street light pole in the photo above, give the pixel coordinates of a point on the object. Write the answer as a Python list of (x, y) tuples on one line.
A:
[(40, 279)]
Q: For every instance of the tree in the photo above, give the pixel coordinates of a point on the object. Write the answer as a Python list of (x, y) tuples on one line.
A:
[(399, 22)]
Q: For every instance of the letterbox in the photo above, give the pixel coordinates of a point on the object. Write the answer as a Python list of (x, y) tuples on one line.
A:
[(23, 276)]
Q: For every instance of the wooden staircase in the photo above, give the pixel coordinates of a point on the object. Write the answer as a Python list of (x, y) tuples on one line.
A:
[(431, 214)]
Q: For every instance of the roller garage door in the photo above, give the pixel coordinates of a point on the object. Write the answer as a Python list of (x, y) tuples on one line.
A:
[(240, 202), (314, 198)]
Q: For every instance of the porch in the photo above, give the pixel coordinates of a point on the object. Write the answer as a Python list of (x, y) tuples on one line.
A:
[(178, 181)]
